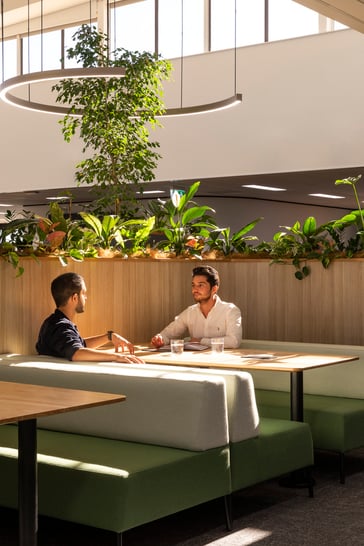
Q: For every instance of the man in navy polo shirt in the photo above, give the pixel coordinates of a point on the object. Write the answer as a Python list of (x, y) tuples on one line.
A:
[(59, 336)]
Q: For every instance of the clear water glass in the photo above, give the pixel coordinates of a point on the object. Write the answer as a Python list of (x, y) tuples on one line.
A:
[(217, 345), (177, 346)]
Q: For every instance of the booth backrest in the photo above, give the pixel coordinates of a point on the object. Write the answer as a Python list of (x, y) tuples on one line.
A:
[(243, 413), (345, 380), (186, 411)]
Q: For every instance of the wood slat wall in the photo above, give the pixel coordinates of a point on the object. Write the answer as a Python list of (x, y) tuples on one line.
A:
[(138, 297)]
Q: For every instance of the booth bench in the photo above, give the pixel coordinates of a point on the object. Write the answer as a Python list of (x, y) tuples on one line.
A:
[(179, 439), (333, 399)]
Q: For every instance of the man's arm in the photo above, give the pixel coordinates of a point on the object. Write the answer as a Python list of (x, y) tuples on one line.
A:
[(176, 329), (234, 330), (117, 340), (85, 354)]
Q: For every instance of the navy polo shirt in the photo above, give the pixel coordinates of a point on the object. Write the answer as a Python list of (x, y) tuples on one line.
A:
[(59, 337)]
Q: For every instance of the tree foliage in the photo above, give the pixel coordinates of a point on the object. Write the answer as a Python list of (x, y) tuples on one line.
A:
[(113, 115)]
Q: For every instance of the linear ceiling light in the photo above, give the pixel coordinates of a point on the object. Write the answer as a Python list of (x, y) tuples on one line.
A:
[(264, 188), (60, 198), (326, 196), (150, 192)]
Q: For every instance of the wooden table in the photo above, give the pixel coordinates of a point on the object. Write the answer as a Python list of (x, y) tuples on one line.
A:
[(244, 359), (23, 403)]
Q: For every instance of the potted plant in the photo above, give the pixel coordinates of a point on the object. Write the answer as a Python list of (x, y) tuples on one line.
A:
[(184, 225)]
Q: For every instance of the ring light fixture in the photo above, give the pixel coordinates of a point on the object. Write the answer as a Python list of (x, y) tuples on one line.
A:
[(8, 86)]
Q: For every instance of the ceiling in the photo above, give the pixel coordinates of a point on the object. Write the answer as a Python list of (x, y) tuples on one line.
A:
[(348, 12), (298, 185)]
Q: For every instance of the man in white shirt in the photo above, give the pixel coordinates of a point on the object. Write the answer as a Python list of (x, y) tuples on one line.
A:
[(210, 316)]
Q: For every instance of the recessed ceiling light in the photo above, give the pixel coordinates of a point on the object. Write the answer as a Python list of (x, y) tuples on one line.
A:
[(149, 192), (59, 198), (4, 205), (265, 188), (326, 196)]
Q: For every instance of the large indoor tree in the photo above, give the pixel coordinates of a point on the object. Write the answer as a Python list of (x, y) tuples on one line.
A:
[(113, 116)]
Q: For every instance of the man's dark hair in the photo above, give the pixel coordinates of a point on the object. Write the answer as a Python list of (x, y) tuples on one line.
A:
[(64, 286), (209, 272)]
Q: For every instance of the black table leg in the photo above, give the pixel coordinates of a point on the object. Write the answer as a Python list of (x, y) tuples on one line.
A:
[(27, 482), (297, 396), (298, 478)]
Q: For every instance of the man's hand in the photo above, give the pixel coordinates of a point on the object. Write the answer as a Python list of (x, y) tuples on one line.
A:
[(157, 341), (128, 359), (121, 342)]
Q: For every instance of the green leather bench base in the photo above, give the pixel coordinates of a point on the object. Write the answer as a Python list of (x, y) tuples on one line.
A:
[(282, 446), (117, 485), (337, 424), (112, 484)]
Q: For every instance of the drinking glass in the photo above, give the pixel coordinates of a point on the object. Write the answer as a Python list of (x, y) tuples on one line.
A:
[(177, 346), (217, 345)]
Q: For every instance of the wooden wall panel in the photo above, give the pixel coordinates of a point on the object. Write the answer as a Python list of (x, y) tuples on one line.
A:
[(138, 297)]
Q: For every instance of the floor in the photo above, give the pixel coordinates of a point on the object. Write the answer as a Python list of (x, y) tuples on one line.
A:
[(261, 511)]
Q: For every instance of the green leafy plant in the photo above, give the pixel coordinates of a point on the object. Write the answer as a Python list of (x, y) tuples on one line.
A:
[(355, 218), (184, 224), (137, 234), (352, 181), (17, 236), (114, 116), (300, 243), (107, 231), (176, 227), (116, 236), (226, 243), (63, 237)]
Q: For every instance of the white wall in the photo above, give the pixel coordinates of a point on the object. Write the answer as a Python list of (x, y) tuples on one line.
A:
[(302, 109)]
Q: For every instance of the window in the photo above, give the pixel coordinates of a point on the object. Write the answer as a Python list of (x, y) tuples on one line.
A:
[(249, 23), (41, 53), (172, 43), (288, 19), (232, 23), (132, 26), (10, 53), (339, 26)]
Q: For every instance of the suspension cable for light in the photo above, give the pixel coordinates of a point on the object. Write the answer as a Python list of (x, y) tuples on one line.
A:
[(2, 43), (8, 86)]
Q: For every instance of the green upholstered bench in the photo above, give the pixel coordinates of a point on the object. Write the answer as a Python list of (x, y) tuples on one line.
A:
[(116, 468), (260, 448), (334, 395), (337, 423), (112, 484), (117, 485), (281, 447)]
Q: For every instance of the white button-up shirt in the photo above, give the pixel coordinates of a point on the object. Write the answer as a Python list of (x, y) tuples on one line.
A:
[(224, 320)]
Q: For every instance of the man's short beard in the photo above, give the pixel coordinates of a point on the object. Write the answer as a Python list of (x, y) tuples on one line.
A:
[(200, 299)]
